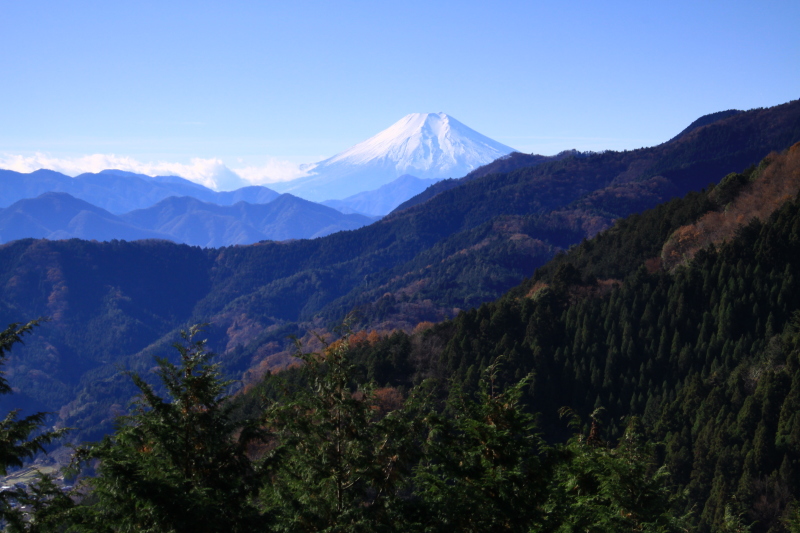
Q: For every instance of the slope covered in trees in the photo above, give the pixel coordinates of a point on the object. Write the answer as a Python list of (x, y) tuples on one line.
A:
[(335, 454), (116, 303), (701, 355), (705, 354)]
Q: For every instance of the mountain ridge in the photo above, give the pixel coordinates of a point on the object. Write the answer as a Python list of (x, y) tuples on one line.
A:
[(465, 246), (118, 191), (58, 215), (185, 219)]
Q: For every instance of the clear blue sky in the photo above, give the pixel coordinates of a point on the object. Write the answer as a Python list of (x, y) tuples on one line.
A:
[(244, 82)]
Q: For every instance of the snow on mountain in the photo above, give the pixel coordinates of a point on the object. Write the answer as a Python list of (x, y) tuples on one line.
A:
[(427, 145)]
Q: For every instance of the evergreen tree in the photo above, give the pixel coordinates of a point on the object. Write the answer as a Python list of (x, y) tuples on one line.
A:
[(21, 439), (338, 464), (175, 464), (604, 489), (483, 467)]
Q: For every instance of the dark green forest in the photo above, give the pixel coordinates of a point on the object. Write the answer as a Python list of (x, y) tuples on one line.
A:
[(334, 454), (705, 356), (644, 379), (117, 304)]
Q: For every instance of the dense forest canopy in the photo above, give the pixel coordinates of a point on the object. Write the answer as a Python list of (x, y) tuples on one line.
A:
[(704, 353), (664, 399), (117, 304), (643, 379)]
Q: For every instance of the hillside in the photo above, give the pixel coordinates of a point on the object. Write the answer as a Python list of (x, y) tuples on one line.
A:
[(705, 354), (507, 163), (465, 246)]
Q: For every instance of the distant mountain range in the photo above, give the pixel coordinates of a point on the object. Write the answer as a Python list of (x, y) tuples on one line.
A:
[(384, 199), (430, 146), (116, 304), (366, 181), (118, 191), (58, 215), (115, 204), (370, 179), (191, 221)]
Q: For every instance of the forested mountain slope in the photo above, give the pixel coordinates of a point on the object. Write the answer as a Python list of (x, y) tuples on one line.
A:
[(463, 247), (725, 141), (706, 352)]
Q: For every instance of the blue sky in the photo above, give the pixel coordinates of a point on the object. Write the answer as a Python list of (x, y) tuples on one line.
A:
[(266, 85)]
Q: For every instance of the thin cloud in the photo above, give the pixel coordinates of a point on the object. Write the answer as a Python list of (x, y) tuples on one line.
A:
[(212, 173), (274, 171)]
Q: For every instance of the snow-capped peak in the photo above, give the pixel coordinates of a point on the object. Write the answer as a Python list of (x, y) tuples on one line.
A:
[(425, 145), (422, 141)]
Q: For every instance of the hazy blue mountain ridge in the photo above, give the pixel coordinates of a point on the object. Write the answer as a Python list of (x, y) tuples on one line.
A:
[(384, 199), (187, 220), (119, 191), (57, 215), (191, 221)]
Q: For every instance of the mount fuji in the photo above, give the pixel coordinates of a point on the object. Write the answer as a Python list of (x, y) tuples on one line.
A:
[(426, 145)]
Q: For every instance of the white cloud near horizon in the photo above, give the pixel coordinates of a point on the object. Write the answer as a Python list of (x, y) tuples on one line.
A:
[(212, 173), (274, 171)]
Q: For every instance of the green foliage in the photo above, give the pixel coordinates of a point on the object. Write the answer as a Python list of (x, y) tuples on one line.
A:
[(340, 464), (339, 458), (476, 464), (728, 188), (45, 507), (706, 356), (177, 464), (482, 467), (702, 354), (695, 354), (611, 489), (467, 245), (16, 443), (21, 439)]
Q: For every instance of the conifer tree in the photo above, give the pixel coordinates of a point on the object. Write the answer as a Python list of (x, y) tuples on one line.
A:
[(21, 439), (605, 489), (175, 464), (483, 468), (338, 465)]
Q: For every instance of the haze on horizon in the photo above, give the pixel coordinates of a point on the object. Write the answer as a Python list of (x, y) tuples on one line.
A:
[(254, 91)]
